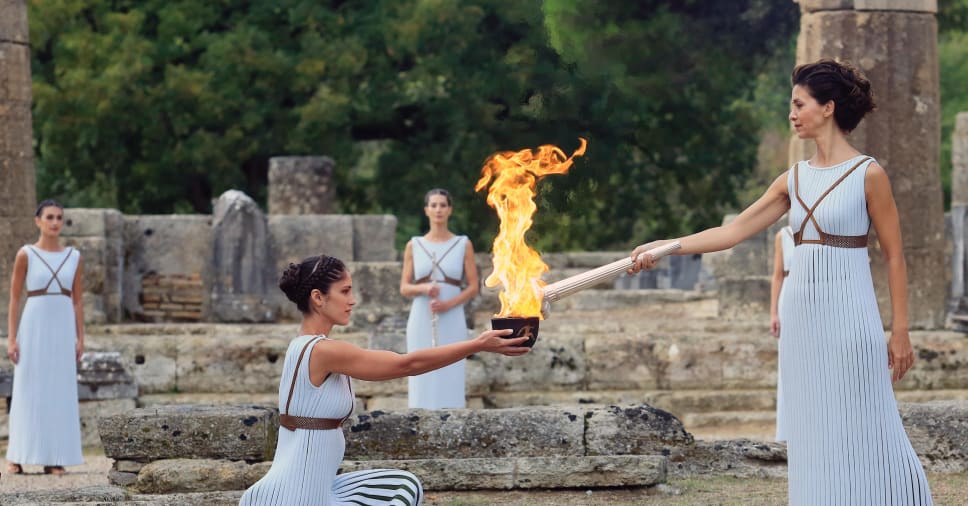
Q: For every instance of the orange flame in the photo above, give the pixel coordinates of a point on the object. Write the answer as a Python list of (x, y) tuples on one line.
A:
[(513, 176)]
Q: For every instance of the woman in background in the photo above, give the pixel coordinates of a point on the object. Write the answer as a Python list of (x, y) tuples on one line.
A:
[(433, 267)]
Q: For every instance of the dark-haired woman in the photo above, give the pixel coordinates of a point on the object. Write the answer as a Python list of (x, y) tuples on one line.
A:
[(845, 440), (45, 427), (434, 267), (316, 395)]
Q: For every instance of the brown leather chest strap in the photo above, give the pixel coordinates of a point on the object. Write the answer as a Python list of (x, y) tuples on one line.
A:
[(54, 278), (837, 241), (304, 422)]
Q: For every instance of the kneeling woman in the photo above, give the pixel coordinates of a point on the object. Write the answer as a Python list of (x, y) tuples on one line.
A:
[(315, 396)]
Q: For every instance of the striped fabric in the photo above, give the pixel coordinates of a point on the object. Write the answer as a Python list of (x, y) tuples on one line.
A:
[(845, 441), (304, 471)]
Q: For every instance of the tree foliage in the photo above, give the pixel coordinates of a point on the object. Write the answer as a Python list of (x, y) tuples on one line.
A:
[(157, 106)]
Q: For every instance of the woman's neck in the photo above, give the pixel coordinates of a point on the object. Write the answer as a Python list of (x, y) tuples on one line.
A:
[(832, 148), (438, 233), (48, 243), (315, 325)]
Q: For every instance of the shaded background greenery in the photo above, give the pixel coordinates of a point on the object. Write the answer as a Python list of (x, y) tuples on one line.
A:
[(158, 106)]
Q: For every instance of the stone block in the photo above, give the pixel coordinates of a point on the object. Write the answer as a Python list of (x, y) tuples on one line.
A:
[(462, 433), (192, 475), (939, 434), (151, 359), (633, 430), (102, 375), (13, 26), (301, 185), (240, 364), (591, 471), (241, 273), (739, 458), (449, 474), (743, 298), (621, 361), (557, 362), (374, 238), (197, 432), (295, 237), (92, 411)]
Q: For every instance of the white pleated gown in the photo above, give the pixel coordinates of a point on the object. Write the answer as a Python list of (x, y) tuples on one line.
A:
[(443, 388), (787, 247), (303, 472), (845, 441), (45, 423)]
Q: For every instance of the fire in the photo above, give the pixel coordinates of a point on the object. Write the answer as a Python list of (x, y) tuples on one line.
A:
[(513, 176)]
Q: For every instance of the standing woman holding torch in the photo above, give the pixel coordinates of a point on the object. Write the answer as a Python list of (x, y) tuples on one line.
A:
[(845, 440), (433, 267)]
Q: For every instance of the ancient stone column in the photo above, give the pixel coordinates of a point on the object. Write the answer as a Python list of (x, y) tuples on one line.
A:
[(17, 193), (895, 43), (301, 185)]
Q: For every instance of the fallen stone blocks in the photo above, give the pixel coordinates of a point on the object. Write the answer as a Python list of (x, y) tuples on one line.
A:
[(182, 449)]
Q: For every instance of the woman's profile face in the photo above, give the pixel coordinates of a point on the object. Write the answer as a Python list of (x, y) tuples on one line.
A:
[(338, 303), (50, 221), (437, 209), (806, 114)]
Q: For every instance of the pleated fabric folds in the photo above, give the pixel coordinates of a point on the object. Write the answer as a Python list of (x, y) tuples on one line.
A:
[(845, 441)]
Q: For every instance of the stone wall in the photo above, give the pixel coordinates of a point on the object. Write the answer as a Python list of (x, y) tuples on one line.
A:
[(161, 268)]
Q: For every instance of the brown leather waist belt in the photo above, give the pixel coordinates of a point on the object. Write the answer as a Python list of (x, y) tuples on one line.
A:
[(448, 280), (302, 422), (786, 273), (837, 241), (43, 291)]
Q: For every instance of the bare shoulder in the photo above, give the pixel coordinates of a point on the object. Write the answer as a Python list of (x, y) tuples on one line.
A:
[(469, 245), (333, 347), (875, 172)]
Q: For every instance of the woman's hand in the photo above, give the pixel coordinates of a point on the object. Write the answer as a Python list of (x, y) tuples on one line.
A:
[(13, 350), (900, 355), (642, 262), (79, 350), (431, 290), (775, 326), (491, 341), (440, 306)]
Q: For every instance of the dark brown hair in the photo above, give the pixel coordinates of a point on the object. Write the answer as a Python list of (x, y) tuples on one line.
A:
[(841, 82), (47, 203), (316, 272), (437, 191)]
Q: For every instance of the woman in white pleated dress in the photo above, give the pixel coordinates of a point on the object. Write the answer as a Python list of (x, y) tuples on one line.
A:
[(434, 266), (45, 424), (316, 396), (846, 444), (783, 246)]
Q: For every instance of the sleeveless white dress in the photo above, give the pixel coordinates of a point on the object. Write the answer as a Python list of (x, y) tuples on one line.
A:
[(443, 388), (303, 472), (45, 423), (786, 250), (845, 441)]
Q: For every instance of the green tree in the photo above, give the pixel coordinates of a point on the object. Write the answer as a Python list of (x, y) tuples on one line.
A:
[(157, 106)]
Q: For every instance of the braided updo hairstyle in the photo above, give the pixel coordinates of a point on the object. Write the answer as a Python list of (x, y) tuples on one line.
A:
[(315, 272), (841, 82)]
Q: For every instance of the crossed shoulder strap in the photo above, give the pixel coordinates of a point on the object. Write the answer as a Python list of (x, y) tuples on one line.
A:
[(53, 272), (436, 263), (843, 241), (306, 422)]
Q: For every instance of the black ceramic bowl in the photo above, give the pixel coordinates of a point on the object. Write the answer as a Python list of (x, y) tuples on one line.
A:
[(521, 325)]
